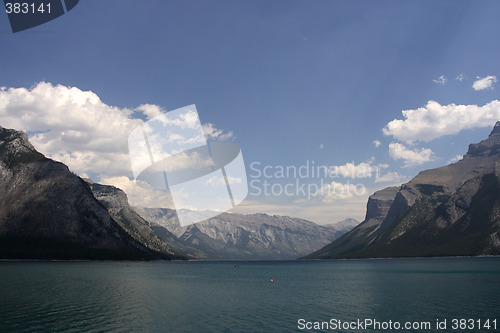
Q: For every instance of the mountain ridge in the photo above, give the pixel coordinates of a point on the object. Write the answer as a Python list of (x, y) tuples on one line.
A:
[(48, 212), (451, 210), (250, 236), (116, 202)]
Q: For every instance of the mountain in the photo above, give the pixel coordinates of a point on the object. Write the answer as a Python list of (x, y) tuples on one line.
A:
[(341, 227), (47, 212), (116, 203), (252, 236), (449, 211)]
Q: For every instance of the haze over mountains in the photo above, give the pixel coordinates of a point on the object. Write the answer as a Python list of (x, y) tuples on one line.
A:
[(449, 211)]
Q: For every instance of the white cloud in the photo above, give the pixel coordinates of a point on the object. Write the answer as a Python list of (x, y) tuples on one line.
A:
[(454, 159), (72, 126), (390, 177), (335, 191), (140, 194), (216, 134), (460, 77), (192, 160), (376, 143), (484, 83), (411, 157), (365, 170), (216, 182), (150, 110), (436, 120), (441, 80), (351, 170), (78, 129), (321, 146)]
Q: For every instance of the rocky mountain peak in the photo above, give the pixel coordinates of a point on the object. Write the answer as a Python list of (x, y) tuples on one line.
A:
[(47, 212), (13, 138), (496, 130), (379, 203), (479, 160), (451, 210), (15, 148), (250, 236), (116, 202), (488, 147)]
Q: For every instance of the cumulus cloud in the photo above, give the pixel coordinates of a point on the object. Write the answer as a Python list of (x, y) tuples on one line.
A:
[(460, 77), (140, 194), (454, 159), (376, 143), (72, 126), (78, 129), (390, 177), (436, 120), (352, 170), (335, 191), (216, 134), (484, 83), (150, 110), (441, 80), (192, 161), (411, 157), (321, 146)]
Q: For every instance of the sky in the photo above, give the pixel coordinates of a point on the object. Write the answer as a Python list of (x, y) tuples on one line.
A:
[(328, 100)]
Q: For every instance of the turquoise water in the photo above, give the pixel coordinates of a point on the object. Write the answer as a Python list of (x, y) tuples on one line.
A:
[(240, 297)]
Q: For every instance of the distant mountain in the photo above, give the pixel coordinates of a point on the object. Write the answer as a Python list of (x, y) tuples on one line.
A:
[(449, 211), (253, 236), (47, 212), (341, 227)]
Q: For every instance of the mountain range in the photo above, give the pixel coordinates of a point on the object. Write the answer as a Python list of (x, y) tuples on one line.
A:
[(47, 212), (251, 236), (449, 211)]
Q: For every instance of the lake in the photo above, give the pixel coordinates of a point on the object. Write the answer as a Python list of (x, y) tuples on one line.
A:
[(252, 296)]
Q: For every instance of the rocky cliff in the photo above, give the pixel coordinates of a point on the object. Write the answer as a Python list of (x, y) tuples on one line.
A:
[(116, 203), (448, 211), (47, 212)]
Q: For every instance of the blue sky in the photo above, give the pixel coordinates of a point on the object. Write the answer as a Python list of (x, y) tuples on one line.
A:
[(294, 81)]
